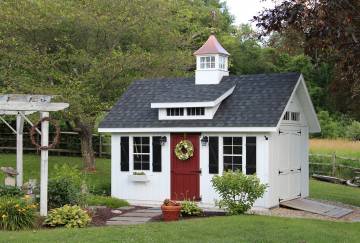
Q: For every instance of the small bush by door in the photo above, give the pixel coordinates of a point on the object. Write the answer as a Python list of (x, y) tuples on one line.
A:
[(238, 192)]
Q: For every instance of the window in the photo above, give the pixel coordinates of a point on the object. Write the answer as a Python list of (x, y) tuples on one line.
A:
[(141, 153), (250, 155), (222, 62), (207, 62), (196, 111), (232, 149), (287, 116), (295, 116), (175, 111), (213, 155), (124, 154)]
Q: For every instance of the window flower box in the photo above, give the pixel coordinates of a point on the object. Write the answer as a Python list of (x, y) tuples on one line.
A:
[(139, 178)]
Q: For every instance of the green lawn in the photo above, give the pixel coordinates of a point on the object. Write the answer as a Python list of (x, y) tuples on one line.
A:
[(100, 179), (335, 192), (218, 229)]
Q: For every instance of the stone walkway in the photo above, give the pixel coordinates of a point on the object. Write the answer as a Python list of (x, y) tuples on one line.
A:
[(137, 216)]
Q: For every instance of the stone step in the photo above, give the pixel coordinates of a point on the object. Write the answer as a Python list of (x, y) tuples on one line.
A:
[(132, 219), (141, 214), (110, 223)]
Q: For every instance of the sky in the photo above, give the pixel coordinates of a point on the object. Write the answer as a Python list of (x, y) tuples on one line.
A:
[(244, 10)]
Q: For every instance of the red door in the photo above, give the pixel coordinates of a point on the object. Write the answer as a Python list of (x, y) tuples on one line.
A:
[(185, 174)]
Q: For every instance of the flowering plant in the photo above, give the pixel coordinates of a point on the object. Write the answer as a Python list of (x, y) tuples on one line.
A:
[(16, 213)]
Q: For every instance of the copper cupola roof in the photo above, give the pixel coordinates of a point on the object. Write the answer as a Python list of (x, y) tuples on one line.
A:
[(211, 46)]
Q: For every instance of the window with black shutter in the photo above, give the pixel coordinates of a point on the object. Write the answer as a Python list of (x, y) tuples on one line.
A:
[(156, 154), (250, 155), (124, 156), (213, 155)]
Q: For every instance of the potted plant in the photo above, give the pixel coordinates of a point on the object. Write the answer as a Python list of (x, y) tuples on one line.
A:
[(170, 210)]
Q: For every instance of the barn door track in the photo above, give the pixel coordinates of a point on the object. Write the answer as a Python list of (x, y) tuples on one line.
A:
[(316, 207)]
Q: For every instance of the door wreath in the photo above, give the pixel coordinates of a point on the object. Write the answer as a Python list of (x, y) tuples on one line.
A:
[(184, 150)]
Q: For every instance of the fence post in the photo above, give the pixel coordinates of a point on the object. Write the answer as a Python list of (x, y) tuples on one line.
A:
[(333, 164)]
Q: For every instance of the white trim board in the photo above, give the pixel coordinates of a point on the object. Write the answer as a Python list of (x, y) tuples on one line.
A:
[(188, 129), (194, 104), (311, 117)]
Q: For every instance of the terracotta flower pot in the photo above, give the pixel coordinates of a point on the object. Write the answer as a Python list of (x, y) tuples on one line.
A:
[(170, 213)]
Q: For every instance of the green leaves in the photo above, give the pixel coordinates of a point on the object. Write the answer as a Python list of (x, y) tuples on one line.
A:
[(238, 192), (68, 216)]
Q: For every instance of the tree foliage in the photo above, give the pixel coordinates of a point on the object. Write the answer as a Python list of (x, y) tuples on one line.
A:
[(88, 52), (330, 30)]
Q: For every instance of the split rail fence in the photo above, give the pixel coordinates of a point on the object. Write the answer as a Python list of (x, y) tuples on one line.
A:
[(333, 165)]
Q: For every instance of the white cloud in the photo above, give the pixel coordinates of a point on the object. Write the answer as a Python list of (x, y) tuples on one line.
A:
[(244, 10)]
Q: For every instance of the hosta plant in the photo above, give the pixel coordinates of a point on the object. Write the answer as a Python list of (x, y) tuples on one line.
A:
[(68, 216), (190, 208), (16, 213)]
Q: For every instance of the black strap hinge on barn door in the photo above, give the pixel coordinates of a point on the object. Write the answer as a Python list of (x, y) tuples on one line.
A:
[(299, 195), (281, 172)]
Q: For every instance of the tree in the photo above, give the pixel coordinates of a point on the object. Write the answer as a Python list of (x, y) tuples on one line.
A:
[(88, 52), (330, 30)]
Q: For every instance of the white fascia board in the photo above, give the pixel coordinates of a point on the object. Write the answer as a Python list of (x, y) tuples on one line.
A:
[(188, 129), (194, 104), (313, 128)]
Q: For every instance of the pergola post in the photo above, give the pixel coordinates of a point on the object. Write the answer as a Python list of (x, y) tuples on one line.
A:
[(44, 164), (19, 149)]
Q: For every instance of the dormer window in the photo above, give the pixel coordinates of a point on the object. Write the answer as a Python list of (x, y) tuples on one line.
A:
[(175, 111), (207, 62), (196, 111)]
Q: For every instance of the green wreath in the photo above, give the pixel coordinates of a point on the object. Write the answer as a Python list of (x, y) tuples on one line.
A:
[(184, 150)]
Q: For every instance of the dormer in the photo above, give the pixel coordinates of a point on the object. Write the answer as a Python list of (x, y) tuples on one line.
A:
[(211, 62)]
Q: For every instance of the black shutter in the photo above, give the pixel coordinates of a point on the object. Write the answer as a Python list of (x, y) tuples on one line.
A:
[(124, 161), (156, 154), (250, 155), (213, 155)]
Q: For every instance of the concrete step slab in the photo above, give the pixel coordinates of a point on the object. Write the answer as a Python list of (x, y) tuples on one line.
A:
[(141, 214), (132, 219)]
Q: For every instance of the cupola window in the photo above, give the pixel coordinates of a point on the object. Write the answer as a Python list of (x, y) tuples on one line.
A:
[(222, 62), (207, 62)]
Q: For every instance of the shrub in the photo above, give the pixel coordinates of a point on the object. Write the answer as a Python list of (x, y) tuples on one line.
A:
[(64, 191), (16, 213), (190, 208), (66, 187), (237, 191), (10, 191), (68, 216), (353, 131), (110, 202)]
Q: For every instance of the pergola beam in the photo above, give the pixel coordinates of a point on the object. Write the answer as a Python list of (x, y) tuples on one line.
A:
[(8, 125), (32, 106)]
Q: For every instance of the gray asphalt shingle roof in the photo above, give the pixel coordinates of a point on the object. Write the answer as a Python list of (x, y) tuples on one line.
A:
[(257, 101)]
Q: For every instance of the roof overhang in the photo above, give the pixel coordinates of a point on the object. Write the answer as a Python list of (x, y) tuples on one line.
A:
[(188, 129), (303, 95), (194, 104)]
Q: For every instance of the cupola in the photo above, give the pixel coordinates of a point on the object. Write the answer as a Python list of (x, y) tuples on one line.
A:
[(211, 62)]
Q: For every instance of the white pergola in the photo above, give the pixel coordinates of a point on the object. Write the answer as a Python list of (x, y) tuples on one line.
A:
[(21, 106)]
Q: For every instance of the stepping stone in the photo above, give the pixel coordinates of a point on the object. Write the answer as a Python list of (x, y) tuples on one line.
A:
[(126, 208), (149, 211), (110, 223), (131, 219), (116, 211), (142, 214)]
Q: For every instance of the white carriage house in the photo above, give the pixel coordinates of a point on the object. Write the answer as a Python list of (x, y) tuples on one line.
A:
[(253, 123)]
